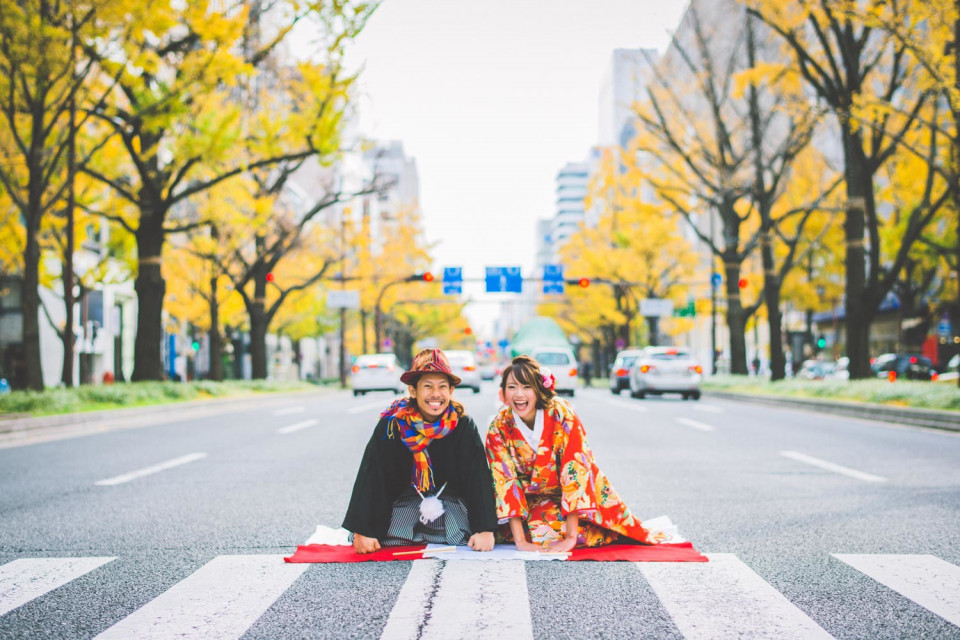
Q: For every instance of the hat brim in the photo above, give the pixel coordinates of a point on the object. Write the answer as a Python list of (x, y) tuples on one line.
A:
[(411, 377)]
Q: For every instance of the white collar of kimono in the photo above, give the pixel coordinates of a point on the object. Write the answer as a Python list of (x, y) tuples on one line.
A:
[(532, 437)]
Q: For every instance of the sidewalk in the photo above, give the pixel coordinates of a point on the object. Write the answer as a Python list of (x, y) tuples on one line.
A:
[(930, 418)]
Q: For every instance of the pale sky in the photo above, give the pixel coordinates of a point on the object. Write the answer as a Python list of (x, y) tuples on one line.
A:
[(492, 98)]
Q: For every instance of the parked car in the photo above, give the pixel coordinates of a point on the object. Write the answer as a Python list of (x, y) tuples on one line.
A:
[(620, 371), (911, 366), (562, 364), (659, 370), (951, 371), (464, 365), (376, 372), (817, 370)]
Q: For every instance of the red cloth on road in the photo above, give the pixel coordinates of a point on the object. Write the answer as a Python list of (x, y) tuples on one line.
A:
[(345, 553), (665, 552), (680, 552)]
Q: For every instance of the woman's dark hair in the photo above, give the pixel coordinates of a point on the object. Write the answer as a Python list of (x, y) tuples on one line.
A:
[(527, 371)]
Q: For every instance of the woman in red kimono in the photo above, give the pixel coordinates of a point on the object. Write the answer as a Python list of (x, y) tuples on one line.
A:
[(548, 486)]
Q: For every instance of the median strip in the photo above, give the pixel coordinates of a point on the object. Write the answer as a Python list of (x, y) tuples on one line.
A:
[(163, 466), (830, 466)]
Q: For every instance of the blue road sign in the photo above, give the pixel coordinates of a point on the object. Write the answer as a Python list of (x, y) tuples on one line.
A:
[(503, 344), (553, 278), (504, 279), (452, 281), (716, 279)]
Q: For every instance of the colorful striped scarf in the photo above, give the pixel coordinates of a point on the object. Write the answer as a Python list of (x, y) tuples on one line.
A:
[(405, 419)]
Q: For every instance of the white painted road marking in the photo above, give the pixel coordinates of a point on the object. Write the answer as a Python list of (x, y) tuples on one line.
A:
[(297, 426), (220, 600), (462, 600), (23, 580), (380, 404), (707, 408), (724, 598), (289, 411), (627, 405), (830, 466), (932, 583), (163, 466), (695, 424)]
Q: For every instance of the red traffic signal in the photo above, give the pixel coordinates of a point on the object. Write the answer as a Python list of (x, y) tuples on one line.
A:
[(584, 282), (468, 331), (270, 277), (428, 277), (742, 283)]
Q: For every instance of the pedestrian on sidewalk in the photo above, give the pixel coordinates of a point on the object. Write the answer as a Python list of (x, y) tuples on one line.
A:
[(424, 476), (551, 495)]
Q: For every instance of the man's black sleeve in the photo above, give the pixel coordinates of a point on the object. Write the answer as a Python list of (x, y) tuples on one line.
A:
[(370, 506)]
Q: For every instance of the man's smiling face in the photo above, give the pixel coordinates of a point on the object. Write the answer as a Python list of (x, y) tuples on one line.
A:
[(432, 393)]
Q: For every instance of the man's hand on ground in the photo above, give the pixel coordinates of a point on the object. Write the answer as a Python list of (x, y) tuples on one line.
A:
[(482, 541), (363, 544)]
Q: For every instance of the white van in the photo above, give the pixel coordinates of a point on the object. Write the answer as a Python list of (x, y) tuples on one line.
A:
[(562, 364)]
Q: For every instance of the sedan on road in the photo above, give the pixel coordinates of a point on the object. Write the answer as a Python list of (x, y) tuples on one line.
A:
[(464, 365), (910, 366), (620, 371), (660, 370), (376, 372)]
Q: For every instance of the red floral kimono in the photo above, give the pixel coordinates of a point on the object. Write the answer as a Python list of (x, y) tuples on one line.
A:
[(558, 479)]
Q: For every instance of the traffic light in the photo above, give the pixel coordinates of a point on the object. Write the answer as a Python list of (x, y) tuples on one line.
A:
[(426, 276), (196, 346), (584, 283), (743, 283), (821, 342), (468, 331), (270, 277)]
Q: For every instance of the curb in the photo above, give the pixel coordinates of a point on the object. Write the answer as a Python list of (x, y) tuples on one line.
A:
[(14, 423), (930, 418)]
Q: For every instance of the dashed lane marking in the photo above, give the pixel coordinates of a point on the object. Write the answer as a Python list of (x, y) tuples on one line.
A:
[(297, 426), (830, 466), (695, 424), (163, 466)]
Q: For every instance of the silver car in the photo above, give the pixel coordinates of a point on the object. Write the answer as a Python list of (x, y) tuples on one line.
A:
[(464, 365), (376, 372), (659, 370)]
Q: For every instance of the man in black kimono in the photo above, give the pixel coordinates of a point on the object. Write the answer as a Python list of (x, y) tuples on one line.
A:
[(424, 475)]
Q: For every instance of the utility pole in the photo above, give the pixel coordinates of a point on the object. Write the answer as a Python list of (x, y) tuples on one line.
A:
[(343, 310), (713, 306)]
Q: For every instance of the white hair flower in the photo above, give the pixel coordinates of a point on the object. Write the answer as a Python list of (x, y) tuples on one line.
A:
[(548, 380)]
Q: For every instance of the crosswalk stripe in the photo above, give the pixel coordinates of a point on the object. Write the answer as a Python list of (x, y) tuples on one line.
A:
[(23, 580), (222, 599), (932, 583), (442, 600), (724, 598)]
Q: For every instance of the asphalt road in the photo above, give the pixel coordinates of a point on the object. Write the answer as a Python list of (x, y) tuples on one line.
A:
[(816, 526)]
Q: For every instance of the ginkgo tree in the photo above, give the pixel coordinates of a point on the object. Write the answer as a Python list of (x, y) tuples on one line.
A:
[(178, 127)]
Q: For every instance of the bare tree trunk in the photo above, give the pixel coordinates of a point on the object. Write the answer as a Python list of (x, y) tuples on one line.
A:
[(150, 288), (859, 196), (216, 364), (736, 318)]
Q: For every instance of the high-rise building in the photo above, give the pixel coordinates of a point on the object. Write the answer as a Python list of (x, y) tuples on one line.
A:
[(571, 193), (623, 84)]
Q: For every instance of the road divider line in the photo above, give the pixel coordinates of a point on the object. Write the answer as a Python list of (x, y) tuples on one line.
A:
[(222, 599), (380, 404), (27, 578), (489, 599), (830, 466), (724, 598), (695, 424), (163, 466), (932, 583), (707, 408), (627, 405), (286, 411), (297, 426)]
